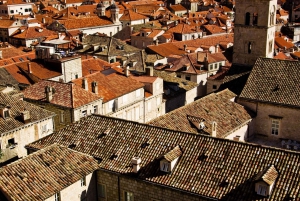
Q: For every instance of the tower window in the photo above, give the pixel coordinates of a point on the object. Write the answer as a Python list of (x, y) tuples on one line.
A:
[(247, 21), (255, 18), (249, 47)]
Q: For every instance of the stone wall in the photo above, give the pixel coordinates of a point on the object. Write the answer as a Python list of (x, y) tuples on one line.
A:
[(289, 120), (58, 122), (116, 186), (77, 192)]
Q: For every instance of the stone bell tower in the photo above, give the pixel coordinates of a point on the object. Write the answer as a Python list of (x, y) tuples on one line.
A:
[(254, 30)]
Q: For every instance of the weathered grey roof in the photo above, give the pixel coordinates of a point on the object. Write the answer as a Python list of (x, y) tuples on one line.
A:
[(7, 79), (114, 47), (171, 78), (202, 168), (16, 107), (44, 173), (215, 107), (274, 81)]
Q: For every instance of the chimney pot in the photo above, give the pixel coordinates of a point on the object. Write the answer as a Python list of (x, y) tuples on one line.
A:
[(135, 161), (126, 71), (214, 129), (85, 84), (95, 87), (25, 116), (29, 67), (49, 93)]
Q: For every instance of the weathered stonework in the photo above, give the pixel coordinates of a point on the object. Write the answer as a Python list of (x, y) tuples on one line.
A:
[(117, 185)]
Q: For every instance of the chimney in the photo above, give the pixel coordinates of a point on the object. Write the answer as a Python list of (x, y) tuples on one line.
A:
[(29, 67), (214, 129), (156, 42), (43, 20), (1, 54), (25, 116), (149, 71), (135, 161), (217, 48), (85, 84), (49, 94), (95, 87), (126, 71), (184, 47)]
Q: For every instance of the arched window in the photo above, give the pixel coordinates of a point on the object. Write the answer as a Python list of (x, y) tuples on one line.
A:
[(255, 18), (249, 47), (247, 19)]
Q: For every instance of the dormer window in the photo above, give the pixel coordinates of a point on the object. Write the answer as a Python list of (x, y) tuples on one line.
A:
[(5, 111), (265, 180), (169, 160)]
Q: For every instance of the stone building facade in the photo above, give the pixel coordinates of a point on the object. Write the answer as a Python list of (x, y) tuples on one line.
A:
[(121, 188)]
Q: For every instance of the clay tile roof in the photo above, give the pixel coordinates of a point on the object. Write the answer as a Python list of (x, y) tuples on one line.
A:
[(16, 107), (269, 175), (194, 174), (177, 7), (273, 81), (33, 32), (183, 84), (154, 33), (18, 75), (93, 65), (213, 29), (282, 56), (173, 154), (282, 43), (130, 15), (214, 107), (85, 22), (145, 79), (182, 29), (167, 49), (11, 51), (5, 23), (38, 70), (53, 169), (66, 94), (111, 84)]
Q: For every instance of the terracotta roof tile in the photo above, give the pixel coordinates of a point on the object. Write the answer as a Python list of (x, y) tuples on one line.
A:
[(167, 49), (202, 168), (15, 71), (178, 7), (38, 70), (213, 29), (282, 43), (144, 78), (33, 32), (93, 65), (85, 22), (110, 84), (130, 15), (66, 94), (44, 173)]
